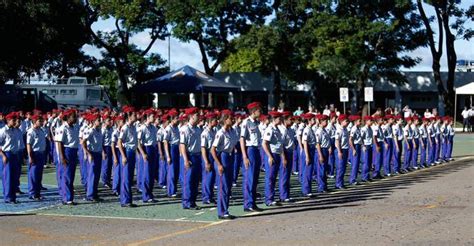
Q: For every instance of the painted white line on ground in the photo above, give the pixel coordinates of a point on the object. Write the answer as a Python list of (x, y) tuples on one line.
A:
[(126, 218), (199, 213)]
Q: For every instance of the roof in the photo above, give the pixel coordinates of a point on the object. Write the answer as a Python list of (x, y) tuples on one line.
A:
[(186, 79), (466, 89)]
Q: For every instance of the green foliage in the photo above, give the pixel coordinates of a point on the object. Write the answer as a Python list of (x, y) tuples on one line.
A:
[(212, 24), (42, 35), (109, 80)]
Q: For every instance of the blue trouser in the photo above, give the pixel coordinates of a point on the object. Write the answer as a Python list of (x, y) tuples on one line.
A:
[(355, 161), (414, 153), (139, 171), (68, 172), (408, 149), (367, 153), (296, 158), (93, 174), (397, 155), (315, 165), (423, 151), (323, 167), (444, 152), (57, 162), (173, 170), (148, 171), (263, 157), (35, 173), (431, 151), (341, 168), (271, 173), (285, 174), (52, 149), (332, 158), (107, 165), (225, 183), (191, 180), (126, 184), (83, 165), (9, 176), (163, 171), (378, 158), (387, 156), (237, 164), (450, 146), (438, 147), (250, 177), (117, 173), (20, 162), (48, 153), (307, 169), (208, 179), (301, 164)]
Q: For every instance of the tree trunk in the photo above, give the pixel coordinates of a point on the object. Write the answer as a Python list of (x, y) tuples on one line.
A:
[(451, 57), (276, 86), (123, 94)]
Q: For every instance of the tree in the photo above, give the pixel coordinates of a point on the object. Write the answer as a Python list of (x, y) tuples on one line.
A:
[(129, 61), (41, 37), (453, 29), (212, 24), (361, 40)]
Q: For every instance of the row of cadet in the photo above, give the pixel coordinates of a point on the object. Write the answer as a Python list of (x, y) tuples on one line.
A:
[(211, 147)]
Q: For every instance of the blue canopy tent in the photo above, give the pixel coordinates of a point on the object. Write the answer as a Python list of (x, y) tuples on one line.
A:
[(185, 80)]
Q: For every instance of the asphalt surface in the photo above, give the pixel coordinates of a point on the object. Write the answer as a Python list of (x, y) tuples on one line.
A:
[(428, 207)]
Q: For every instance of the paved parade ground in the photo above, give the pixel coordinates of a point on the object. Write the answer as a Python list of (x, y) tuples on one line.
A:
[(429, 206)]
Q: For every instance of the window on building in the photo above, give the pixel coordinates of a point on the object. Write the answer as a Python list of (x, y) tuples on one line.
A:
[(93, 94), (68, 92)]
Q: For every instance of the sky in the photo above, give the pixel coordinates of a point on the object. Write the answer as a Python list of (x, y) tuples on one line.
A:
[(188, 53)]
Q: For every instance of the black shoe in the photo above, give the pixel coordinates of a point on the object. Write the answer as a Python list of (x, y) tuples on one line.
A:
[(20, 192), (192, 208), (273, 204), (70, 203), (254, 209), (12, 202), (341, 188), (288, 200), (107, 185), (403, 171), (322, 191), (259, 195), (44, 188), (226, 217), (129, 205), (354, 184), (150, 201)]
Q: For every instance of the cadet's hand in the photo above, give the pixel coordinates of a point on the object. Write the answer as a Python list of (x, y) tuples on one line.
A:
[(64, 161), (187, 164), (124, 160), (386, 145), (115, 161), (378, 148), (208, 166), (321, 160), (220, 168), (5, 160), (307, 161), (145, 157), (31, 161), (354, 152), (89, 158), (162, 158), (104, 156), (339, 155), (285, 163), (246, 162), (270, 161), (168, 160)]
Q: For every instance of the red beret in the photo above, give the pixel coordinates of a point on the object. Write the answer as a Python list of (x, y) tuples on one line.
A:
[(226, 112), (149, 112), (332, 115), (322, 117), (388, 116), (253, 105), (190, 111), (425, 119), (69, 112), (446, 118), (367, 117), (118, 118), (11, 116), (263, 117), (93, 117), (286, 113), (408, 118), (397, 117), (35, 117), (354, 117), (307, 116), (415, 118), (182, 117), (377, 117), (128, 109), (210, 115), (274, 114), (295, 117), (342, 117)]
